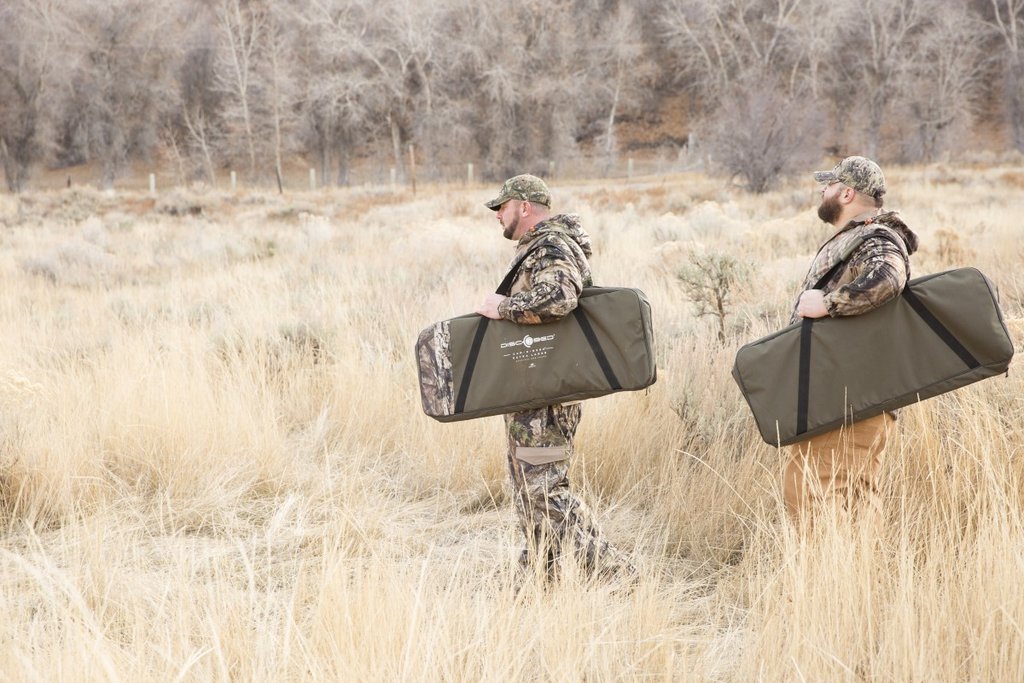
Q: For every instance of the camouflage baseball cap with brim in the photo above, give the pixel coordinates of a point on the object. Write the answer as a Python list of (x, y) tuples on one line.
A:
[(859, 173), (524, 187)]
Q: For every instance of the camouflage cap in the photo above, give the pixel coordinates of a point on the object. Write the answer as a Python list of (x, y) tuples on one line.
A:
[(859, 173), (525, 187)]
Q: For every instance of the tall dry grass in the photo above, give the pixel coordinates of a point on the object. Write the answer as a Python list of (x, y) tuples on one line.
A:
[(213, 464)]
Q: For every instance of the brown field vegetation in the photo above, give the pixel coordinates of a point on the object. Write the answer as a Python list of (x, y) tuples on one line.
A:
[(214, 466)]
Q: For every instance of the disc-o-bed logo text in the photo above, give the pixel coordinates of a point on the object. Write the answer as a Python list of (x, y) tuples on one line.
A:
[(528, 348)]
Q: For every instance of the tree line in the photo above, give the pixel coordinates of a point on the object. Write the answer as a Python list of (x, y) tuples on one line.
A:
[(770, 85)]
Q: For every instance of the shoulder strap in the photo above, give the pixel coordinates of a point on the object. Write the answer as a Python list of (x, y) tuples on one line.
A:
[(843, 258), (848, 252), (506, 284)]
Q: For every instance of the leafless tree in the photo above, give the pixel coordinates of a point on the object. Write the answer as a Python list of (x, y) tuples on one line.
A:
[(1007, 20), (759, 133), (533, 83), (196, 129), (717, 42), (242, 27), (619, 67), (281, 87), (201, 138), (30, 48), (120, 79), (394, 44), (255, 68), (879, 68), (334, 107), (816, 33), (946, 79)]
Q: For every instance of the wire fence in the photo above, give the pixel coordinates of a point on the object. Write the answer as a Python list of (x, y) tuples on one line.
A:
[(299, 176)]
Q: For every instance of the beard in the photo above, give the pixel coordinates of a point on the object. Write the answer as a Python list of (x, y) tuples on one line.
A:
[(510, 229), (829, 210)]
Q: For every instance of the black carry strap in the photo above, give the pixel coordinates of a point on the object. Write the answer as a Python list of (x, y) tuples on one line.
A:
[(506, 284), (481, 330), (803, 391), (939, 329), (474, 352), (595, 346)]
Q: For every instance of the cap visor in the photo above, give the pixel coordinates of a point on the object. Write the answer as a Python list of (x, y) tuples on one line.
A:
[(495, 203), (825, 177)]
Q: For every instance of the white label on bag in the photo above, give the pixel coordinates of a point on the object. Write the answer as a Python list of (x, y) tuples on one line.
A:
[(527, 341), (529, 348)]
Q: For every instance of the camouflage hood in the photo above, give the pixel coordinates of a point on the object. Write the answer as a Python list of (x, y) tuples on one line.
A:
[(894, 222), (566, 225)]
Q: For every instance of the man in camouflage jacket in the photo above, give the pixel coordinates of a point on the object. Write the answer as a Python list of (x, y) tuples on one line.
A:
[(540, 442), (840, 468)]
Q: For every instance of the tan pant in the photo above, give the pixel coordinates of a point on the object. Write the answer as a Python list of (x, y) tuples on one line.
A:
[(838, 469)]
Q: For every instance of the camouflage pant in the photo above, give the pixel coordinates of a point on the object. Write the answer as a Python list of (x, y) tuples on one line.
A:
[(540, 445)]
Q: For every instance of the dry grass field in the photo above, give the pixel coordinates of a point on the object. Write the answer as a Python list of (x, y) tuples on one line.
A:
[(214, 465)]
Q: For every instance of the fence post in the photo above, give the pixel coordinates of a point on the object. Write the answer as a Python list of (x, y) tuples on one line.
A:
[(394, 178), (412, 167), (551, 169), (469, 173), (629, 167), (234, 180), (152, 183), (312, 178)]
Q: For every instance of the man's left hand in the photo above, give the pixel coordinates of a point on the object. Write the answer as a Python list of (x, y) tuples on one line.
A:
[(812, 304), (489, 308)]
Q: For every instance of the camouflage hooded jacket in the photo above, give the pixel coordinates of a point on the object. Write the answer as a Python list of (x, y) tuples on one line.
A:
[(553, 275), (875, 272)]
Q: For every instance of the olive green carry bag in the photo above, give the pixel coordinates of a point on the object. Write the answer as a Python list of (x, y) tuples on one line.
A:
[(943, 332), (472, 366)]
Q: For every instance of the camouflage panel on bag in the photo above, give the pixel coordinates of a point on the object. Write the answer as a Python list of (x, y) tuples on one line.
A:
[(436, 379)]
